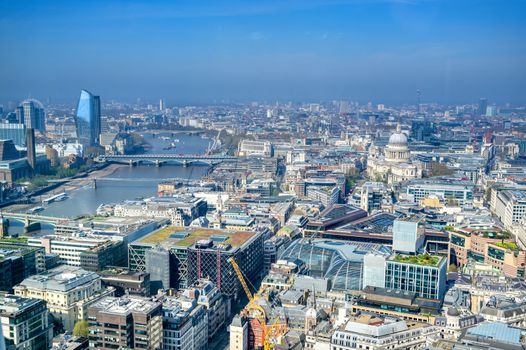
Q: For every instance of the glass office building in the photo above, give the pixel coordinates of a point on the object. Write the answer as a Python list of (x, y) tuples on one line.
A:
[(426, 280), (88, 119), (341, 263), (31, 114)]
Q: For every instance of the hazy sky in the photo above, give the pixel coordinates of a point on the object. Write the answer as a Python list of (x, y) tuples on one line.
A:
[(200, 51)]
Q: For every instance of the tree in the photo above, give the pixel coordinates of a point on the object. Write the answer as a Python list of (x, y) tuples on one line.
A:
[(452, 268), (81, 329), (438, 169)]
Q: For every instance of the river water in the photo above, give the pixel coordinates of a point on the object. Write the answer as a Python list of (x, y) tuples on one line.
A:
[(133, 182)]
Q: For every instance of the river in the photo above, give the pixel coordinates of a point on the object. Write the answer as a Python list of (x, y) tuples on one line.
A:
[(133, 182)]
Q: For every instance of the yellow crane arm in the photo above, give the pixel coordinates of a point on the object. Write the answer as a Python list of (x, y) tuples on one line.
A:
[(241, 279)]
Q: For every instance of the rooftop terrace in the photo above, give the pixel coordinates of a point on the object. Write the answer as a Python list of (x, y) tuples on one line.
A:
[(421, 259)]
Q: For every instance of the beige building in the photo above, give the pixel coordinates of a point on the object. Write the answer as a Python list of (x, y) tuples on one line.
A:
[(68, 291), (394, 165), (239, 333)]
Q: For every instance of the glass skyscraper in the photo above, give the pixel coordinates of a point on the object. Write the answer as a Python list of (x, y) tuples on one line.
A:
[(31, 114), (88, 119)]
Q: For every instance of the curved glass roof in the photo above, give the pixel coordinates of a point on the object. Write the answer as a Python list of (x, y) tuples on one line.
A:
[(340, 262)]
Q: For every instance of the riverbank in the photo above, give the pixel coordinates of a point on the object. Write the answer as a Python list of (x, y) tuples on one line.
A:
[(76, 183), (69, 184)]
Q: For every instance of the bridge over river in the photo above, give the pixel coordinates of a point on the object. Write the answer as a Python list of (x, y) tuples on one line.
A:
[(159, 159), (32, 221)]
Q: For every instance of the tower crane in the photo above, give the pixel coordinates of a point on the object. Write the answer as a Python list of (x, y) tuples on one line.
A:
[(270, 332)]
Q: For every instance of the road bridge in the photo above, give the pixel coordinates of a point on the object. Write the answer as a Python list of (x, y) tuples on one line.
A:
[(159, 159), (32, 221)]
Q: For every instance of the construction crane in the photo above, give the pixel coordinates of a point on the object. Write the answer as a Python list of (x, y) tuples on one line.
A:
[(241, 279), (252, 305), (269, 331)]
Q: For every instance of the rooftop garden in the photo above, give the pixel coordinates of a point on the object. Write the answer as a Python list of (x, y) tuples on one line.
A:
[(496, 234), (507, 245), (22, 240), (421, 259)]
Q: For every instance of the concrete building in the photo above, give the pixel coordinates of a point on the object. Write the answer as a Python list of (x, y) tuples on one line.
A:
[(408, 235), (255, 148), (455, 191), (127, 282), (491, 247), (326, 195), (376, 333), (273, 248), (181, 210), (25, 323), (217, 306), (185, 323), (505, 310), (510, 207), (92, 253), (239, 333), (68, 291), (372, 196), (125, 323)]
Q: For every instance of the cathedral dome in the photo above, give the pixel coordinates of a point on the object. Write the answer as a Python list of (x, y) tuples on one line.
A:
[(398, 138), (397, 149)]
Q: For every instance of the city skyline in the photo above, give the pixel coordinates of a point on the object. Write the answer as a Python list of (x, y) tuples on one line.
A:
[(380, 51)]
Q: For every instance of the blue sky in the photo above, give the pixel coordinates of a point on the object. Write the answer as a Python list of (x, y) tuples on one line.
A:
[(310, 50)]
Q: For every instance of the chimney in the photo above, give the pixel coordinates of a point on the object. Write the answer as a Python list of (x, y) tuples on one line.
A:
[(30, 142)]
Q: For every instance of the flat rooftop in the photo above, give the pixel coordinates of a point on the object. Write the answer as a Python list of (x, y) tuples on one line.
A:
[(187, 236), (11, 305), (125, 305), (61, 279)]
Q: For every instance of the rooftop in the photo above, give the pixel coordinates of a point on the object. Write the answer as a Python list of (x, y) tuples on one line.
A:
[(11, 305), (497, 331), (185, 237), (421, 259), (125, 305), (62, 278)]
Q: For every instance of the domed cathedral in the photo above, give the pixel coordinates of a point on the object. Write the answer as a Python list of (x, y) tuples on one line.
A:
[(394, 163)]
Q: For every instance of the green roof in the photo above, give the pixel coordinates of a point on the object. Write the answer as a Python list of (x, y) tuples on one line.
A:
[(165, 236), (507, 245), (421, 259)]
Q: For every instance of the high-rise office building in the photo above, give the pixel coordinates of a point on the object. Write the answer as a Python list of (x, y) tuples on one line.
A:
[(88, 119), (31, 114), (161, 105), (483, 105)]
